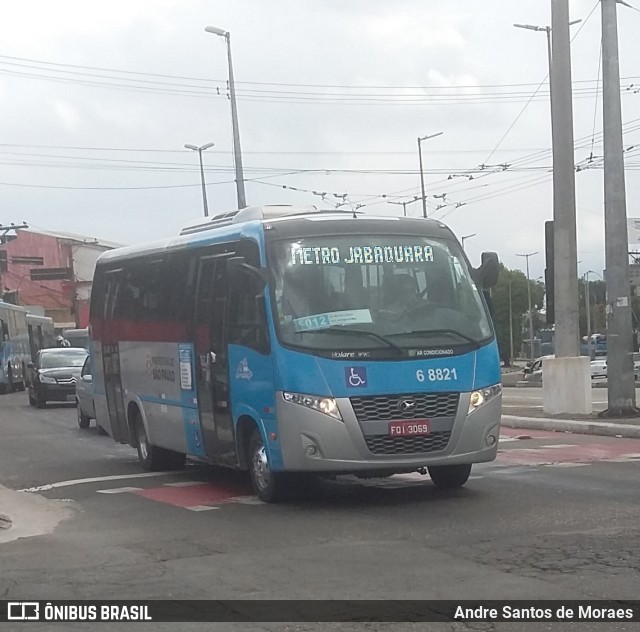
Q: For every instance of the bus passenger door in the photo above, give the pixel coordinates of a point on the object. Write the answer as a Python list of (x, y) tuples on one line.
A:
[(210, 337), (111, 358)]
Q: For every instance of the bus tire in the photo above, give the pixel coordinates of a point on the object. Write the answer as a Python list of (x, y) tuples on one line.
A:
[(450, 476), (270, 487), (153, 458), (83, 420)]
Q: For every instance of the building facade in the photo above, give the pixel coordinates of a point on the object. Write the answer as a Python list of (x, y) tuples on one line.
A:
[(51, 270)]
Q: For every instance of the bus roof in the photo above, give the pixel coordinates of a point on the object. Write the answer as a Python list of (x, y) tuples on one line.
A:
[(248, 222), (11, 306)]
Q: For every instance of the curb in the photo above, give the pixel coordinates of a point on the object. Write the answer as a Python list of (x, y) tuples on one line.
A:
[(601, 428)]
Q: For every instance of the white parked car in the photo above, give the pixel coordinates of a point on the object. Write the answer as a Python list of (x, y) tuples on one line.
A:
[(598, 368), (84, 398), (533, 370)]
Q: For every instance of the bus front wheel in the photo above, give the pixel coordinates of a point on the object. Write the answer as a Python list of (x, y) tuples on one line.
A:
[(269, 486), (450, 476)]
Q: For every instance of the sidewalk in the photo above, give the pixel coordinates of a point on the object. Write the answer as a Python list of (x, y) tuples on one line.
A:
[(536, 419)]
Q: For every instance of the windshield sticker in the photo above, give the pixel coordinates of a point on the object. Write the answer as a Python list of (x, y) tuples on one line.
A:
[(421, 353), (361, 254), (333, 319), (186, 378), (355, 376), (243, 371)]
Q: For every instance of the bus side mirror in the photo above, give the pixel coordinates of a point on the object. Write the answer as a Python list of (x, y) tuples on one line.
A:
[(486, 276)]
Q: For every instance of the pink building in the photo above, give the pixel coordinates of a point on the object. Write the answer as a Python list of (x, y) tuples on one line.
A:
[(51, 270)]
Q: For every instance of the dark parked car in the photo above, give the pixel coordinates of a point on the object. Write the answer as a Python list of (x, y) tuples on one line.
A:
[(53, 376)]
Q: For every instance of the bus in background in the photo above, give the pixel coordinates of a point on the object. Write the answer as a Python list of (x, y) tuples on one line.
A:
[(77, 337), (14, 347), (41, 330), (291, 341)]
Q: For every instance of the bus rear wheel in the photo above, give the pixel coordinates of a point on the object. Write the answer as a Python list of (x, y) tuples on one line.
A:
[(269, 486), (151, 457), (450, 476)]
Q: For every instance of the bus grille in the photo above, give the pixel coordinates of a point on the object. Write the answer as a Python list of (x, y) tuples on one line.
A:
[(384, 444), (388, 407)]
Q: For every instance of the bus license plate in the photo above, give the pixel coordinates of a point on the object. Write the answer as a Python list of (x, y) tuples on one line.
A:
[(412, 428)]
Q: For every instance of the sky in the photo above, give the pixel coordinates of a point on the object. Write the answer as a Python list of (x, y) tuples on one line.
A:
[(98, 99)]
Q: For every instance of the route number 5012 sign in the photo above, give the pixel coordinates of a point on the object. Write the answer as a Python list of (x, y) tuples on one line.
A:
[(436, 375)]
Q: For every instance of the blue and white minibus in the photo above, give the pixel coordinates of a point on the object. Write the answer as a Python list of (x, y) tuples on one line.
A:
[(14, 347), (294, 341)]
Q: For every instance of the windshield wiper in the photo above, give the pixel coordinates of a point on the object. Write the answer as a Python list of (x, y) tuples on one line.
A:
[(340, 330), (438, 332)]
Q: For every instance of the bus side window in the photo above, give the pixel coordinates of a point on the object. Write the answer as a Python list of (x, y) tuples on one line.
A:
[(4, 327), (247, 316)]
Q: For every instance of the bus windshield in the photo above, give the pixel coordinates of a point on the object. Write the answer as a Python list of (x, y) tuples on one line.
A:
[(364, 292)]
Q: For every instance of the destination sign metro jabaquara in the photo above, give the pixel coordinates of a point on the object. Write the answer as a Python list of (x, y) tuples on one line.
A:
[(326, 255)]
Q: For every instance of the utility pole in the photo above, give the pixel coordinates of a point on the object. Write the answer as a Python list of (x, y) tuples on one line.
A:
[(564, 203), (566, 381), (620, 383), (526, 256)]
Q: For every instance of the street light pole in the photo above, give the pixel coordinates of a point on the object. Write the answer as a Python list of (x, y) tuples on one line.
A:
[(510, 320), (526, 256), (466, 237), (587, 300), (404, 206), (237, 154), (547, 30), (424, 197), (204, 189)]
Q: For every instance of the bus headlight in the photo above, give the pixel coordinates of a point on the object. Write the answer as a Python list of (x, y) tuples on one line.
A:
[(482, 396), (325, 405)]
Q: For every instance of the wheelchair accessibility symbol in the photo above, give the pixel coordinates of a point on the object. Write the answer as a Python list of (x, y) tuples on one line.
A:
[(355, 376)]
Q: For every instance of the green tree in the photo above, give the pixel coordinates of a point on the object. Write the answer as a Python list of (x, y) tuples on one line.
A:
[(511, 289), (597, 304)]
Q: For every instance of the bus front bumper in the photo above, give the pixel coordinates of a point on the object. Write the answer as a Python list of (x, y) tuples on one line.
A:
[(314, 442)]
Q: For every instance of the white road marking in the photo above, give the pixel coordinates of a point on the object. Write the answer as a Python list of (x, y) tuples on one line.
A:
[(560, 445), (119, 490), (246, 500), (184, 484), (201, 508), (522, 405), (504, 439), (97, 479)]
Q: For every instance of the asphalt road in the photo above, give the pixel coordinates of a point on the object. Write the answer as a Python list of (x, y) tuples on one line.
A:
[(555, 517), (531, 397)]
